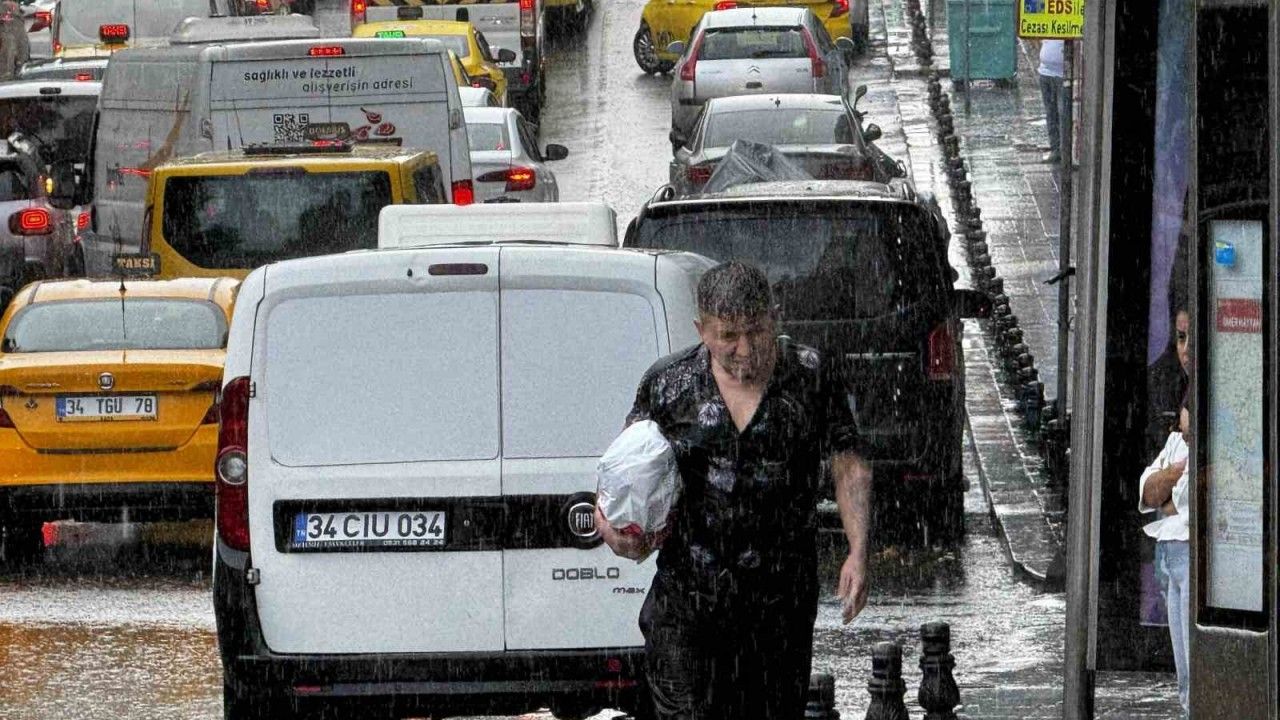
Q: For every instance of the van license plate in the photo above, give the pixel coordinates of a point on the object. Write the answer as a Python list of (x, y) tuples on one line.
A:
[(75, 408), (344, 530)]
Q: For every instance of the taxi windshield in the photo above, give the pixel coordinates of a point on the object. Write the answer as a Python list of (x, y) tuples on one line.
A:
[(243, 221), (113, 324)]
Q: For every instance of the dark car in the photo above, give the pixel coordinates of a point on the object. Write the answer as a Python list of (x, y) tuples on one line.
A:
[(822, 133), (859, 270)]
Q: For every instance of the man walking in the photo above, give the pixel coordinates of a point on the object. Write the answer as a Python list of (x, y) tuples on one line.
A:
[(1051, 72), (728, 622)]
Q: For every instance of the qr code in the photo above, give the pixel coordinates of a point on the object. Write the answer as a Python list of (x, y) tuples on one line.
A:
[(289, 126)]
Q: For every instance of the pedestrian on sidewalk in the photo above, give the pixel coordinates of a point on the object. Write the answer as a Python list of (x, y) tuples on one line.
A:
[(1051, 73), (728, 622), (1167, 380), (1164, 489)]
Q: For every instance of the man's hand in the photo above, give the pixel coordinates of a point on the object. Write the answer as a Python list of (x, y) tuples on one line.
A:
[(853, 586), (631, 547)]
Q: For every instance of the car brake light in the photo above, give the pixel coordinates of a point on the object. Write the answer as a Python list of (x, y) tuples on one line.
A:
[(819, 67), (841, 8), (82, 221), (699, 174), (327, 51), (264, 4), (357, 11), (84, 77), (942, 353), (689, 71), (43, 19), (725, 5), (113, 33), (517, 178), (232, 466), (528, 23), (463, 193), (32, 221)]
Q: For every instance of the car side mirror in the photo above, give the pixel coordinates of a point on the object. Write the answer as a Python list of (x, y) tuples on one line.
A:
[(845, 44), (858, 92), (505, 56), (64, 186), (872, 133), (676, 48), (677, 138), (556, 152), (972, 304)]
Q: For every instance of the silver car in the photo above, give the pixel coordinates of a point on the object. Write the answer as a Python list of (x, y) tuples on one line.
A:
[(753, 51), (507, 164)]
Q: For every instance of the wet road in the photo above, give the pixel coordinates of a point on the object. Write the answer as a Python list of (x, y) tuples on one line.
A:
[(125, 629)]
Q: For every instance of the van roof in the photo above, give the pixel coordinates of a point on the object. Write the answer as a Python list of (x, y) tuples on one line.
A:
[(358, 155), (250, 27), (275, 49), (567, 223)]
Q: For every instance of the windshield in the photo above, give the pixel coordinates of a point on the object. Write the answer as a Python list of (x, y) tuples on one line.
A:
[(748, 43), (62, 125), (243, 221), (776, 126), (110, 324), (826, 261), (80, 19), (489, 136)]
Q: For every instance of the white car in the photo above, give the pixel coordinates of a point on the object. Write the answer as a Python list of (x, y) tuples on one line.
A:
[(506, 162), (478, 97), (406, 467)]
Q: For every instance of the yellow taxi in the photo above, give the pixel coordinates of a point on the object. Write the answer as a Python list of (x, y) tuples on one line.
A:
[(666, 21), (226, 213), (108, 401), (461, 37)]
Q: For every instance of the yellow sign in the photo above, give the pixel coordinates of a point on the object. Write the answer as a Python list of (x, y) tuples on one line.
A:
[(1051, 19)]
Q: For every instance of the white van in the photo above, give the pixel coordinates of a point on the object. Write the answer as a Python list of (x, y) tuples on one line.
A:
[(568, 222), (78, 25), (158, 104), (407, 464)]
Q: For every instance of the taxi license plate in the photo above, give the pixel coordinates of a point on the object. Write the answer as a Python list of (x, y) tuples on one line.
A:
[(75, 408), (345, 530)]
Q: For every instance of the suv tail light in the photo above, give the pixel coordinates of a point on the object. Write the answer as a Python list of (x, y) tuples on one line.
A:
[(942, 353), (528, 21), (699, 174), (357, 12), (44, 18), (841, 8), (819, 65), (689, 71), (82, 221), (517, 178), (232, 466), (32, 221), (463, 193)]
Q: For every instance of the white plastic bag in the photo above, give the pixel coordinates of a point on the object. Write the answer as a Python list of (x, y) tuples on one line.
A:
[(637, 481)]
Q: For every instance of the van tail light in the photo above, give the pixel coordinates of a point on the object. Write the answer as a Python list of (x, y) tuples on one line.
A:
[(841, 8), (942, 353), (819, 66), (517, 178), (43, 19), (231, 468), (32, 221), (463, 193), (689, 71), (82, 221), (699, 174), (357, 12), (725, 5)]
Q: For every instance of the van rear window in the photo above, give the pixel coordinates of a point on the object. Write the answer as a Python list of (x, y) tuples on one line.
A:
[(243, 221)]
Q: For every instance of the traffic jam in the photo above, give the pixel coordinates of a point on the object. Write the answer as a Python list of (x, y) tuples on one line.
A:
[(323, 293)]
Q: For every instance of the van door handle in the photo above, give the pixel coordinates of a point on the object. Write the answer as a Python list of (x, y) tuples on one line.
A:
[(754, 85)]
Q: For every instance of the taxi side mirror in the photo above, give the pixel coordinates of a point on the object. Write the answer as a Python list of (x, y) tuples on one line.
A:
[(556, 152)]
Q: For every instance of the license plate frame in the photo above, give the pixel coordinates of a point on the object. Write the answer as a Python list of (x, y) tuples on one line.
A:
[(358, 530), (100, 407)]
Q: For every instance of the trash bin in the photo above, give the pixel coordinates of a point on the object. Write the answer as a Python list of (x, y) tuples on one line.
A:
[(992, 39)]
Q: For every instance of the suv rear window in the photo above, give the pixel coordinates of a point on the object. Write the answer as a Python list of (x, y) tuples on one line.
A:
[(60, 125), (825, 260), (14, 184), (110, 324), (753, 43), (243, 221)]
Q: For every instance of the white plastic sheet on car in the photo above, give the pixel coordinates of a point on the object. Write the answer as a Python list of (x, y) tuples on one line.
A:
[(751, 162), (638, 482)]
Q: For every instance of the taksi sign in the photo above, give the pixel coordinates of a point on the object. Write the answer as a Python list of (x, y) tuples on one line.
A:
[(1051, 19)]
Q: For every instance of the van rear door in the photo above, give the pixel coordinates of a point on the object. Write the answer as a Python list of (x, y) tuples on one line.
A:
[(579, 329), (375, 479)]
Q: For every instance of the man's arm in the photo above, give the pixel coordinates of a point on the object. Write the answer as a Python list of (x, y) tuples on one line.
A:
[(1157, 487), (853, 496)]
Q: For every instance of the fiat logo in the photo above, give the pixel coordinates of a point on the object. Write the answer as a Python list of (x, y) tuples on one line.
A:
[(106, 381), (582, 520)]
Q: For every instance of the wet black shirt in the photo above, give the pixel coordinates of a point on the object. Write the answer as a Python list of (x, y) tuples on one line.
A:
[(749, 503)]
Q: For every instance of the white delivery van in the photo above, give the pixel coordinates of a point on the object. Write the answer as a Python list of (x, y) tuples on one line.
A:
[(569, 222), (158, 104), (407, 465), (96, 27)]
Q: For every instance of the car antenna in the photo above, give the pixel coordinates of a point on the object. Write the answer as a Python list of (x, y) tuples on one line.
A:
[(124, 328), (239, 130)]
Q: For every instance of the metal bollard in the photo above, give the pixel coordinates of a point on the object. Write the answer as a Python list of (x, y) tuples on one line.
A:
[(821, 703), (886, 686), (938, 694)]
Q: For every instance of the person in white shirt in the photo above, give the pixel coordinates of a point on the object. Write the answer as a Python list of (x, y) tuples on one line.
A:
[(1164, 489), (1051, 72)]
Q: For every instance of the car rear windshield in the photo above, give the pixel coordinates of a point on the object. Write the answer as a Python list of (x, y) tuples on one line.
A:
[(753, 43), (243, 221), (112, 324), (60, 125), (14, 184), (800, 126), (825, 260), (489, 136)]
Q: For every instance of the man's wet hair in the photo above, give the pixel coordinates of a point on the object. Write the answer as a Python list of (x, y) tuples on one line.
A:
[(734, 290)]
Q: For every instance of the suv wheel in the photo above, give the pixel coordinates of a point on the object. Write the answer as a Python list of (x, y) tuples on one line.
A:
[(646, 54)]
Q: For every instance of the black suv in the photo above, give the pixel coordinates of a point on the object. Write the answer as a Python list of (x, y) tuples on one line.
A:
[(859, 270)]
